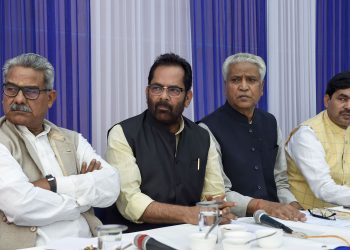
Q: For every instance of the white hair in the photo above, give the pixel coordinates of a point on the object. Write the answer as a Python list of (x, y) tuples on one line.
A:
[(244, 57), (34, 61)]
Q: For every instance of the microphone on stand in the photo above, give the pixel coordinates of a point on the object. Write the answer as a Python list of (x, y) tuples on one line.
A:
[(146, 242), (261, 217)]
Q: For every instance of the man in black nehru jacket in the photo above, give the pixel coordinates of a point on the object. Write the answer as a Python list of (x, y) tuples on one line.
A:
[(166, 162), (250, 143)]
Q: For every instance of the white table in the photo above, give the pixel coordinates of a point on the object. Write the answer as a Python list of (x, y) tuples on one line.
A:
[(178, 237)]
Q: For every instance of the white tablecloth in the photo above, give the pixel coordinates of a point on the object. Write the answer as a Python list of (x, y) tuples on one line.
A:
[(178, 237)]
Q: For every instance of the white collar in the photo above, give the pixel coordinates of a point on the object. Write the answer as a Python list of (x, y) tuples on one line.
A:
[(25, 131)]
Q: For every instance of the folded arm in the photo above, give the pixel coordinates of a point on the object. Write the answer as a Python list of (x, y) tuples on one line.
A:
[(27, 205), (96, 186)]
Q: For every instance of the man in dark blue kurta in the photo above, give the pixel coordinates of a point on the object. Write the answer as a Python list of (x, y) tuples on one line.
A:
[(250, 143)]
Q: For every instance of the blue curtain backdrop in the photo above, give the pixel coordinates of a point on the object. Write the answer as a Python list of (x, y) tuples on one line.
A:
[(60, 31), (332, 43), (219, 29)]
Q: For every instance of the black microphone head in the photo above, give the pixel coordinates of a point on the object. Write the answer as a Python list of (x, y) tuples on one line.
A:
[(257, 215)]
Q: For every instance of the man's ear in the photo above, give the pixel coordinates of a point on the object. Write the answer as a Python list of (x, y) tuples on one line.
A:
[(262, 87), (52, 97), (326, 100), (188, 98)]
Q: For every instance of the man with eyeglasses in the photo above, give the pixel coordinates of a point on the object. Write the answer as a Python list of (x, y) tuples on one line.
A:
[(166, 162), (50, 176), (318, 151)]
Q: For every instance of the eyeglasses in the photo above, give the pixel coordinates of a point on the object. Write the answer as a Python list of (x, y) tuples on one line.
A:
[(31, 93), (322, 213), (172, 91)]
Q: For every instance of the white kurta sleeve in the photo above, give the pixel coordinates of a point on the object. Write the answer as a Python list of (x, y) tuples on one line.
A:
[(26, 205), (99, 188), (280, 173), (307, 152)]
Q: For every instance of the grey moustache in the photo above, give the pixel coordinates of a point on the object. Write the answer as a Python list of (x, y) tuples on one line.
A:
[(19, 107)]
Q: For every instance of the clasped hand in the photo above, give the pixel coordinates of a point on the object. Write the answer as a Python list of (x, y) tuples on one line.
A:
[(94, 165)]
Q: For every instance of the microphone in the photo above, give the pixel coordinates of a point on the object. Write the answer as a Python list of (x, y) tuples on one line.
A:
[(261, 217), (146, 242)]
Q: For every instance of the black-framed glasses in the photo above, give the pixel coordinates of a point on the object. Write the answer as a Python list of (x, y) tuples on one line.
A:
[(322, 213), (157, 89), (31, 93)]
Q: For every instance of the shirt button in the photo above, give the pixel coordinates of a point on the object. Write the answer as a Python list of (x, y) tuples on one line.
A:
[(256, 167), (252, 149), (32, 229), (259, 187)]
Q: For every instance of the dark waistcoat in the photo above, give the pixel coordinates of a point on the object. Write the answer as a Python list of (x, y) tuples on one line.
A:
[(248, 150), (168, 175)]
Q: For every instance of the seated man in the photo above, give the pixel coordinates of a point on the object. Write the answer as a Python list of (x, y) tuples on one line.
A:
[(318, 151), (167, 163), (250, 143), (50, 176)]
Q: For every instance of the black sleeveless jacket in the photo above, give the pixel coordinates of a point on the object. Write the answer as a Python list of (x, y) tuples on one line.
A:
[(248, 150), (168, 175)]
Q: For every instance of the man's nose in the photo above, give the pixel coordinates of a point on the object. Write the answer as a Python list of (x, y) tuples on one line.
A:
[(243, 85), (164, 94), (20, 98)]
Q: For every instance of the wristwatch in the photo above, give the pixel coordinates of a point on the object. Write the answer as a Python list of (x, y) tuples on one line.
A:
[(52, 182)]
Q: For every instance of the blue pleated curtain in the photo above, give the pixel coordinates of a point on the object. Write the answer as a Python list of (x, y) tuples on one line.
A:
[(60, 31), (332, 43), (219, 29)]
